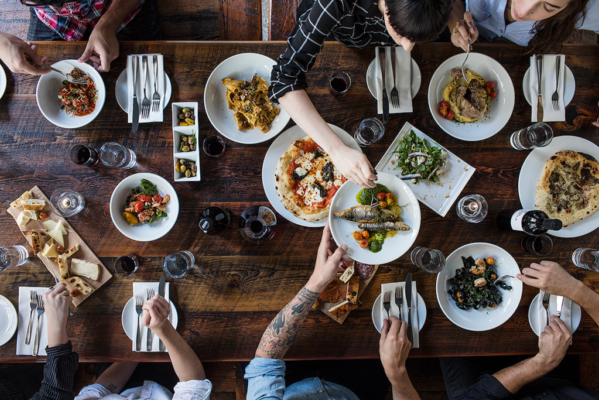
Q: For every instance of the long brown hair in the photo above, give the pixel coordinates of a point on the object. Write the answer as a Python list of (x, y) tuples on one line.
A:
[(551, 33)]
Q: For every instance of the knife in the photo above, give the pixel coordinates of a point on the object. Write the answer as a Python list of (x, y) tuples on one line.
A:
[(161, 293), (539, 75), (385, 98), (559, 303), (409, 304), (135, 118)]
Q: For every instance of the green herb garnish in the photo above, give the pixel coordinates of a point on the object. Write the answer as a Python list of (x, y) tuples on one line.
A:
[(149, 188), (411, 143)]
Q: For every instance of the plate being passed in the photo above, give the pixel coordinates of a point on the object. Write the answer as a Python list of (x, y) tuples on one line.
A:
[(8, 320), (568, 92), (377, 320), (393, 247), (575, 316), (129, 317), (416, 78), (531, 172), (487, 318), (276, 150), (501, 108), (120, 90)]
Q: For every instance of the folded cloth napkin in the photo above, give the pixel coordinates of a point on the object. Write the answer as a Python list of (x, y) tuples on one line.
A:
[(548, 85), (403, 79), (24, 311), (539, 316), (141, 79), (141, 289), (394, 310)]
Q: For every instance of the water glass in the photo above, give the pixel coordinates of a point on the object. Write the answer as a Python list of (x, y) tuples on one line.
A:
[(586, 258), (127, 265), (537, 135), (370, 131), (472, 208), (12, 256), (540, 245), (339, 83), (67, 202), (177, 265), (115, 155), (83, 155), (430, 260)]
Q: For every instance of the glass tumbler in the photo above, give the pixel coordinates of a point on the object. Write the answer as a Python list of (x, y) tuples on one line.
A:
[(430, 260), (537, 135), (339, 83), (127, 265), (586, 258), (370, 131), (115, 155), (12, 256), (177, 265), (67, 202)]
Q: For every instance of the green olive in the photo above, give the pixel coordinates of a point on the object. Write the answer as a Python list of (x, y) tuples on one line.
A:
[(183, 168), (193, 173), (184, 139), (185, 148), (188, 173), (185, 110)]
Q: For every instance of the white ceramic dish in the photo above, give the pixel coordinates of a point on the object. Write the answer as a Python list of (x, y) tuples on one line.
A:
[(531, 172), (393, 248), (8, 320), (416, 79), (532, 313), (3, 81), (568, 92), (501, 108), (456, 175), (120, 90), (241, 66), (129, 317), (278, 147), (145, 232), (186, 130), (48, 88), (377, 320), (483, 319)]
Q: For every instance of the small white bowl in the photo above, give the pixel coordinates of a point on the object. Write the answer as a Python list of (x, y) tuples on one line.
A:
[(48, 88), (179, 130)]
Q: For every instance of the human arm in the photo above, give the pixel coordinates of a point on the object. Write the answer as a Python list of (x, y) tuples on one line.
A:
[(461, 26), (15, 53), (116, 376)]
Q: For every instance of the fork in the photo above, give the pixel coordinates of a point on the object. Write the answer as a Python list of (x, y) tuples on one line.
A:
[(399, 301), (555, 97), (139, 302), (546, 297), (502, 278), (32, 307), (394, 93), (145, 104), (155, 96), (68, 77), (149, 295), (40, 311), (464, 63), (387, 302)]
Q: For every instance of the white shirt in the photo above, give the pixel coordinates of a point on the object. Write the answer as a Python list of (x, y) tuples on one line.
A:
[(488, 16), (190, 390)]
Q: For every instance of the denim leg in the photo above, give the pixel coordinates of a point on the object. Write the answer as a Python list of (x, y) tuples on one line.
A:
[(38, 31)]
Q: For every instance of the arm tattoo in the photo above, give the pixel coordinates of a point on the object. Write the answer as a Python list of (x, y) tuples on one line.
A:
[(282, 330), (112, 387)]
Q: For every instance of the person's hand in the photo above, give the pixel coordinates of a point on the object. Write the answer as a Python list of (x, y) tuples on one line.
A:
[(463, 31), (102, 48), (327, 262), (550, 277), (354, 165), (16, 55), (596, 123), (56, 304), (553, 343), (155, 315), (394, 347)]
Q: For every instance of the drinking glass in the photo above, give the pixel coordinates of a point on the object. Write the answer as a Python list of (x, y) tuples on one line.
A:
[(540, 245), (339, 83), (67, 202), (430, 260), (370, 131), (12, 256), (127, 265), (177, 265), (214, 146), (83, 155), (215, 220), (472, 208), (257, 224), (115, 155), (586, 258), (537, 135)]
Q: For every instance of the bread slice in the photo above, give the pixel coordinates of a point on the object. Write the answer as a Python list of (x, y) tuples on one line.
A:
[(37, 238), (71, 251), (342, 308), (353, 287), (33, 204), (85, 268), (81, 285), (63, 266), (348, 273), (31, 214), (22, 219), (24, 196)]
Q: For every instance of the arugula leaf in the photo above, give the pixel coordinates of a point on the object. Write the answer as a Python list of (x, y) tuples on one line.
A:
[(149, 188), (153, 218)]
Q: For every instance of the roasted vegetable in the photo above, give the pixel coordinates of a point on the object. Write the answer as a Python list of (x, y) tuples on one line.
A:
[(321, 190), (130, 218), (328, 173), (299, 173)]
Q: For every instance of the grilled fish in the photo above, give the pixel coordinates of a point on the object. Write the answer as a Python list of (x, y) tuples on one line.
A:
[(366, 214), (384, 226)]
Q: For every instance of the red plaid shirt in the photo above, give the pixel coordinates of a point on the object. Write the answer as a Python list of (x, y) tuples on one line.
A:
[(74, 17)]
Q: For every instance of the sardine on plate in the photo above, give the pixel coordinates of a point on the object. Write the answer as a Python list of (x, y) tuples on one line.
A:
[(366, 214), (384, 226)]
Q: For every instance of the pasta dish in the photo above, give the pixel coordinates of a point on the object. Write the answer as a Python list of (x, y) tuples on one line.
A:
[(78, 100), (249, 100)]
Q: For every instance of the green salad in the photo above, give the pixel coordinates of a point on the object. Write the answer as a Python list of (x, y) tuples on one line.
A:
[(417, 159)]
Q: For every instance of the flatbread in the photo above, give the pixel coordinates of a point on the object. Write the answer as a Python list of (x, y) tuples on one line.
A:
[(83, 287), (568, 188), (63, 266), (37, 238)]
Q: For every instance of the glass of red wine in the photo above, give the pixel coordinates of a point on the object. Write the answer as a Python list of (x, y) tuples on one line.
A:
[(339, 83), (83, 155), (215, 220), (540, 245), (214, 146), (127, 265)]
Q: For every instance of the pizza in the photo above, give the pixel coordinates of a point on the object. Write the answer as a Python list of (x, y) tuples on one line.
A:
[(306, 180), (568, 189)]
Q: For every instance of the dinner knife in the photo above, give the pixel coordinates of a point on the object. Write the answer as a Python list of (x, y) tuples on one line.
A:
[(385, 98), (161, 285), (135, 117), (559, 303), (539, 84), (409, 304)]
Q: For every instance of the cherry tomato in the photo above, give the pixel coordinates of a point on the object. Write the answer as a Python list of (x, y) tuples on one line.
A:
[(357, 235), (490, 261), (42, 215), (139, 206), (493, 94), (363, 243), (443, 108), (75, 293), (145, 198), (383, 204), (381, 196), (490, 84), (389, 195), (157, 198), (365, 234), (450, 115), (60, 249), (488, 89)]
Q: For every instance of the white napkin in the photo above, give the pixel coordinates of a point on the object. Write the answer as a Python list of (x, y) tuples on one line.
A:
[(403, 79), (140, 75), (24, 311), (540, 319), (140, 288), (548, 83), (394, 310)]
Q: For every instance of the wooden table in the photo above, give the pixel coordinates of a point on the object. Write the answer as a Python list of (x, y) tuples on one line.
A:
[(227, 302)]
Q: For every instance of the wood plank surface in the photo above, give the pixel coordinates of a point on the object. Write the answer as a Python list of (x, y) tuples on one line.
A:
[(227, 301), (282, 18)]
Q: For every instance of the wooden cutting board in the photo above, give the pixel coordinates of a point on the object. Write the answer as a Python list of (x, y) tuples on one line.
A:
[(71, 239)]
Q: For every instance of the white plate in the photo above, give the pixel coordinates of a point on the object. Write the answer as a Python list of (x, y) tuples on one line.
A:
[(501, 108), (376, 313), (531, 172), (455, 177), (569, 90), (278, 147), (416, 79), (241, 66), (129, 317), (48, 88), (2, 81), (393, 248), (576, 313), (145, 232), (483, 319), (120, 89), (8, 320)]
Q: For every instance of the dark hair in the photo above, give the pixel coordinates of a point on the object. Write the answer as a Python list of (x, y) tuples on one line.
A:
[(54, 3), (418, 20), (551, 33)]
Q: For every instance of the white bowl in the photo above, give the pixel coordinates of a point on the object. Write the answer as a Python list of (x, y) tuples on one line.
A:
[(48, 88), (483, 319), (145, 232), (240, 66), (501, 108)]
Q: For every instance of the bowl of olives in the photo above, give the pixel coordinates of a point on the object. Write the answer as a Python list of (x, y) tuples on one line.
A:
[(186, 135)]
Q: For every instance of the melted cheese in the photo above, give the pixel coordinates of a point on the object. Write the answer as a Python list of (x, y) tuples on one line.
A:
[(307, 161), (338, 183), (337, 174), (312, 196)]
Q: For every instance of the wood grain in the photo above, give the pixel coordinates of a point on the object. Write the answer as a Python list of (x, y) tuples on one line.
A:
[(237, 288), (282, 18)]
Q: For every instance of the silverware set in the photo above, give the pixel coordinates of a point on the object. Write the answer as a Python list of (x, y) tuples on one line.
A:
[(398, 296), (555, 96), (36, 303), (146, 104), (394, 92)]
